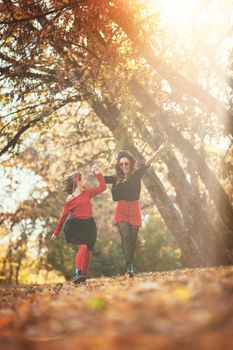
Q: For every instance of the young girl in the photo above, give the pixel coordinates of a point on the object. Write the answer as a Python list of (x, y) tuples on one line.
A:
[(80, 229)]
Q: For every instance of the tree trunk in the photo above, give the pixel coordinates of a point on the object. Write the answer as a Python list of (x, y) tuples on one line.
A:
[(211, 249), (216, 191)]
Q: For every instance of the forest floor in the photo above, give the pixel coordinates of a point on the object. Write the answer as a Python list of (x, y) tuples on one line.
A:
[(183, 309)]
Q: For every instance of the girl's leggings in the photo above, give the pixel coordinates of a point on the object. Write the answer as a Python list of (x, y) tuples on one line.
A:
[(83, 258)]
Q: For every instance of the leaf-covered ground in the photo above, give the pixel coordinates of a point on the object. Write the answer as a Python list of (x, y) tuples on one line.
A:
[(185, 309)]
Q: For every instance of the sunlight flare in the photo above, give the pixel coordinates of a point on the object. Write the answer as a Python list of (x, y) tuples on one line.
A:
[(178, 11)]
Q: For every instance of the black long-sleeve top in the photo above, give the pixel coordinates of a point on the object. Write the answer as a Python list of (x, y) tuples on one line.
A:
[(128, 190)]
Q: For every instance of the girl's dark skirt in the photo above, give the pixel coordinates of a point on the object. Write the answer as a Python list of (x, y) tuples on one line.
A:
[(81, 231)]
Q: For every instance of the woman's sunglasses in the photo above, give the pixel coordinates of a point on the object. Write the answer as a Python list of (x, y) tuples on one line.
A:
[(121, 164)]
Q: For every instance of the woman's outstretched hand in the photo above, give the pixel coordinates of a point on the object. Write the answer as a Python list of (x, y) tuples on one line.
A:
[(162, 146), (152, 157), (95, 169), (53, 236)]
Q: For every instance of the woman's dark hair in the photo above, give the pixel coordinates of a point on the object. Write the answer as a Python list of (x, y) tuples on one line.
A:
[(124, 154), (69, 182)]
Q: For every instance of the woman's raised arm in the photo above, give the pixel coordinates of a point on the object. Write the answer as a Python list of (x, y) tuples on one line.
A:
[(153, 156)]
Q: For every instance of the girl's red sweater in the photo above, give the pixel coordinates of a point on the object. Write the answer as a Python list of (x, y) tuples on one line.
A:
[(80, 206)]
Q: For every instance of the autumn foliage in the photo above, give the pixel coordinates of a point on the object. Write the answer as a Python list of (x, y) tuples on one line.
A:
[(188, 309)]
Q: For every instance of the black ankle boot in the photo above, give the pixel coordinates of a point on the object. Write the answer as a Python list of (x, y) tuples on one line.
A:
[(129, 270), (79, 277)]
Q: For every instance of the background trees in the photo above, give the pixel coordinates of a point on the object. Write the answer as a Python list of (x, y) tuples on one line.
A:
[(80, 80)]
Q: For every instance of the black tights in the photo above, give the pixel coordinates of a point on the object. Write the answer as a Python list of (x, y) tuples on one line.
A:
[(129, 234)]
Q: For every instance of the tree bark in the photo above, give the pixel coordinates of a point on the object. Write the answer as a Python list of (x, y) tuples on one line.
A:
[(216, 191), (211, 248)]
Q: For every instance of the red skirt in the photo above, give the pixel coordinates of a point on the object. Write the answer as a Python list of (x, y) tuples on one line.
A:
[(128, 211)]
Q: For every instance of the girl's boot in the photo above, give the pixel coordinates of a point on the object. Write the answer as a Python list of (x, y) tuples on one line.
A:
[(78, 276)]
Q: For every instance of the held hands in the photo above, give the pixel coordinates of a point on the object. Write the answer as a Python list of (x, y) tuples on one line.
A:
[(95, 169), (53, 236)]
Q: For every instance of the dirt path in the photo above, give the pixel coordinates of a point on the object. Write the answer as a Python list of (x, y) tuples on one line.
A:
[(185, 309)]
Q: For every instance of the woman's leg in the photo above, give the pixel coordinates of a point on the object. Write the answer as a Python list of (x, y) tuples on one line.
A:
[(124, 230), (133, 236)]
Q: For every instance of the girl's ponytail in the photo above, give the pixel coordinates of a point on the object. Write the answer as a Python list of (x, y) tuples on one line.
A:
[(70, 182)]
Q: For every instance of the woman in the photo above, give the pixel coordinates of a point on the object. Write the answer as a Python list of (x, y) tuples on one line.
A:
[(126, 188), (80, 229)]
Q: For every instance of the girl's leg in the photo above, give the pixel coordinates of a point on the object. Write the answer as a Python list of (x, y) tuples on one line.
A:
[(81, 262), (80, 256), (90, 231), (86, 261), (124, 229)]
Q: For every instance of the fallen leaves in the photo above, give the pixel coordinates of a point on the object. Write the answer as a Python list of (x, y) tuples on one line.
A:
[(188, 309), (97, 303)]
